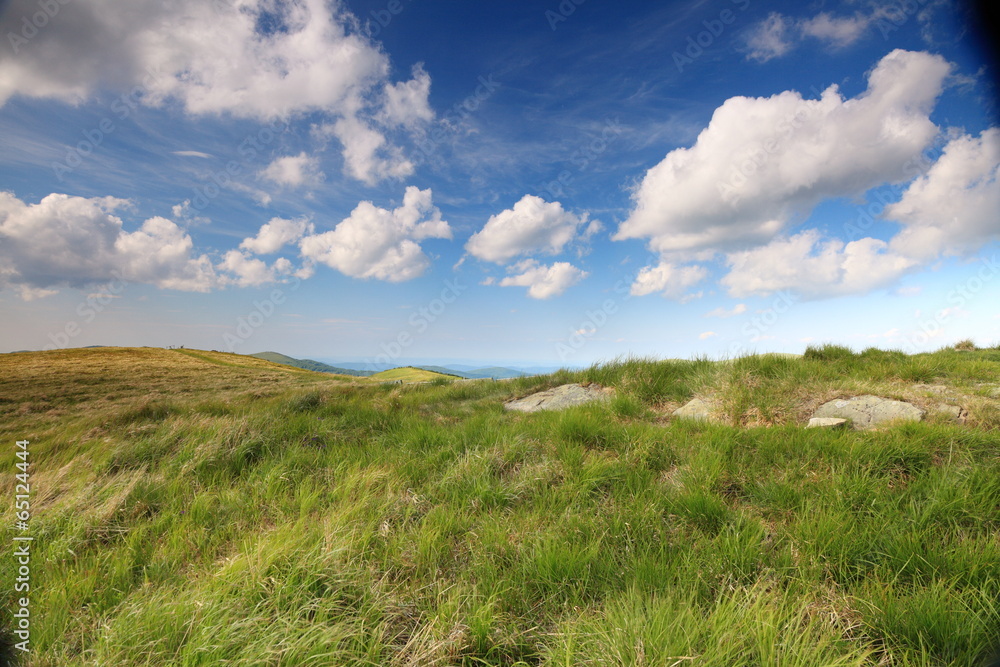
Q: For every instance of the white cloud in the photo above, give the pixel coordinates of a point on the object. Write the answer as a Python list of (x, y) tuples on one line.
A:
[(544, 282), (763, 163), (953, 208), (706, 335), (78, 242), (769, 38), (814, 267), (836, 31), (252, 272), (667, 279), (192, 154), (210, 56), (215, 58), (531, 226), (378, 243), (738, 309), (294, 171), (777, 35), (276, 234), (367, 155), (33, 293), (406, 102)]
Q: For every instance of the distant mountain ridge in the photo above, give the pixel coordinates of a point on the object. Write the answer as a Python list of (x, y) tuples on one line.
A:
[(309, 364), (496, 372), (353, 368)]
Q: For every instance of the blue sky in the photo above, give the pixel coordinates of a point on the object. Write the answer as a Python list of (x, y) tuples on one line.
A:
[(513, 182)]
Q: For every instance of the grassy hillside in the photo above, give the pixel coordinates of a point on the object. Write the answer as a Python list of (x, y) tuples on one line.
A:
[(307, 364), (409, 374), (497, 372), (194, 508)]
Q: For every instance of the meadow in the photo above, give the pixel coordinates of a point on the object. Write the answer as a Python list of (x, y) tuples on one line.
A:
[(201, 508)]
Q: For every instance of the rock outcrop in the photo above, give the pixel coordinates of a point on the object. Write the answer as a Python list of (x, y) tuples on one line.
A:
[(869, 411), (826, 422), (560, 398), (698, 409)]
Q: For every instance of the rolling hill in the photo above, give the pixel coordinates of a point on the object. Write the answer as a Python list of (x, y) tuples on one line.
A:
[(408, 374), (496, 372), (308, 364)]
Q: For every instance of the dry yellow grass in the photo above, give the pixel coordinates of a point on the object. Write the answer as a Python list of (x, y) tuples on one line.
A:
[(42, 388)]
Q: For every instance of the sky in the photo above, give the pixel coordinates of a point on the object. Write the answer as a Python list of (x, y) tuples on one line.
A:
[(500, 181)]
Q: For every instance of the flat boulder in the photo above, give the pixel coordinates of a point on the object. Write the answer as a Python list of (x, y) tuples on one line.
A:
[(869, 411), (826, 422), (560, 398), (698, 409)]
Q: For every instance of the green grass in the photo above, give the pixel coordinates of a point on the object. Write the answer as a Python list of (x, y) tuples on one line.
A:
[(409, 374), (199, 508)]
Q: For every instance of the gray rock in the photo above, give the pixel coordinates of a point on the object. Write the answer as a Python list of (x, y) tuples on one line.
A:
[(870, 411), (955, 412), (699, 410), (560, 398), (826, 422)]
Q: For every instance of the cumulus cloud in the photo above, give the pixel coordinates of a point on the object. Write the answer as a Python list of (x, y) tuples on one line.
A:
[(953, 208), (256, 59), (79, 242), (763, 163), (778, 34), (294, 171), (667, 279), (367, 155), (276, 234), (531, 226), (814, 267), (544, 282), (246, 271), (378, 243), (406, 101), (212, 57)]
